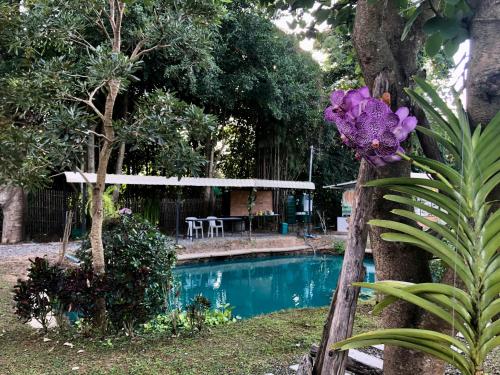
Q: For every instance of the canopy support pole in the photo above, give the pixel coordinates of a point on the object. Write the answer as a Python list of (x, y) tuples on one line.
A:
[(177, 216)]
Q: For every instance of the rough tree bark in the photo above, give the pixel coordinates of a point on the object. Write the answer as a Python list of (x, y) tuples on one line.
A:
[(388, 64), (483, 81), (343, 304), (12, 203), (377, 39)]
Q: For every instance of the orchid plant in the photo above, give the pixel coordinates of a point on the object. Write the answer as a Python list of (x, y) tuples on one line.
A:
[(369, 126), (466, 237)]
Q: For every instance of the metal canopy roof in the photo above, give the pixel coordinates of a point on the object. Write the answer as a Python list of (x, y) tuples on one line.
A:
[(122, 179)]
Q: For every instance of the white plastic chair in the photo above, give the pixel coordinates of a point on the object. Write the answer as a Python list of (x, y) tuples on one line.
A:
[(213, 223), (194, 224)]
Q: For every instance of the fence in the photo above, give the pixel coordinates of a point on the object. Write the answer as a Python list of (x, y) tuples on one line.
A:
[(46, 212)]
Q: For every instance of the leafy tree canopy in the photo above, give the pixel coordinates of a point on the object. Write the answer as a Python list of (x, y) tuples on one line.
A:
[(58, 58)]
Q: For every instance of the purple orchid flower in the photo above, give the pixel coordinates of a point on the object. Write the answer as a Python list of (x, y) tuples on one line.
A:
[(369, 126)]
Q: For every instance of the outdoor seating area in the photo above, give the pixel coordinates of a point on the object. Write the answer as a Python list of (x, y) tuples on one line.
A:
[(213, 226), (236, 217)]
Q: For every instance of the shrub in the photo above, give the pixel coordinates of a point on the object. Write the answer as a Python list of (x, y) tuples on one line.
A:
[(338, 247), (194, 319), (196, 312), (139, 262), (52, 291), (36, 297)]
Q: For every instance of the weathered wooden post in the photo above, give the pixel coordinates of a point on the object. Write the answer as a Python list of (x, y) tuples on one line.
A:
[(339, 326)]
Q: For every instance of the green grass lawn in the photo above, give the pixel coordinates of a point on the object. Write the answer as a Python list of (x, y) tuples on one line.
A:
[(256, 346)]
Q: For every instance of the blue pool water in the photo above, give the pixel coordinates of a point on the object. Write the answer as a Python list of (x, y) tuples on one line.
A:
[(262, 285)]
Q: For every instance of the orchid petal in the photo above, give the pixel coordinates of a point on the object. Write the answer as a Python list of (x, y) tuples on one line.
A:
[(402, 113), (329, 114), (364, 91), (336, 98), (410, 123)]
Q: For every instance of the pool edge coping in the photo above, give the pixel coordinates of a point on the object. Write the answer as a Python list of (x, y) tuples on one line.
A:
[(205, 256)]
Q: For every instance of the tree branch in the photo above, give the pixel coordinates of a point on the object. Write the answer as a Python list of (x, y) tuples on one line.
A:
[(137, 49), (143, 52), (87, 102), (76, 37), (88, 132), (100, 24)]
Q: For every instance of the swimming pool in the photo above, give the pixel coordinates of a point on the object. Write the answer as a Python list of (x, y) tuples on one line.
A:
[(262, 285)]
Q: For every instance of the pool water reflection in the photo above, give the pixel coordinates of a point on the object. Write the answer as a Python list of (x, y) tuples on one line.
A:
[(262, 285)]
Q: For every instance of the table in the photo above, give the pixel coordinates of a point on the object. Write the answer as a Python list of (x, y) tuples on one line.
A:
[(264, 217)]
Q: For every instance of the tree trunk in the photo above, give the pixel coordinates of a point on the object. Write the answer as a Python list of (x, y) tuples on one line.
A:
[(483, 90), (116, 11), (483, 83), (99, 187), (395, 261), (344, 305), (12, 203), (377, 39)]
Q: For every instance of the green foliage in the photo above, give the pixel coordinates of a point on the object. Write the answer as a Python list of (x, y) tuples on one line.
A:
[(437, 269), (338, 247), (195, 318), (34, 297), (196, 312), (338, 14), (139, 262), (266, 92), (465, 238), (57, 63), (341, 69), (50, 291), (252, 196), (151, 210), (447, 27), (168, 125), (21, 162), (109, 208)]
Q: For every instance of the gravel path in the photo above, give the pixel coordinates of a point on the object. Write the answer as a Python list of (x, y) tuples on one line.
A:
[(32, 249)]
